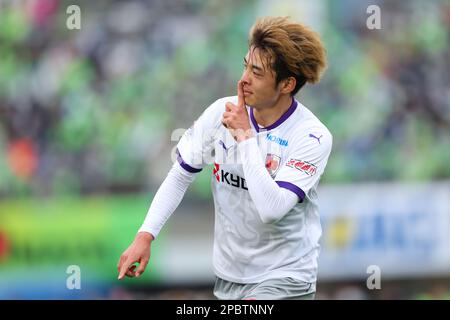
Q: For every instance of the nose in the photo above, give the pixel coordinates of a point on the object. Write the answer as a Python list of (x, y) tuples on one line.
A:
[(245, 78)]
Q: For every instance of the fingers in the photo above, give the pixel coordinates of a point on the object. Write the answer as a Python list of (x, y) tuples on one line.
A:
[(123, 270), (142, 266), (226, 117), (127, 270), (240, 93), (130, 271), (232, 111), (229, 107), (139, 252), (122, 259)]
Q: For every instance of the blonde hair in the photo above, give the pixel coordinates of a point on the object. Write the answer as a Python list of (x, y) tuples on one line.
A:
[(293, 49)]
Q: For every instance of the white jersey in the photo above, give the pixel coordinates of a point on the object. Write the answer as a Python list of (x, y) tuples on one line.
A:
[(295, 149)]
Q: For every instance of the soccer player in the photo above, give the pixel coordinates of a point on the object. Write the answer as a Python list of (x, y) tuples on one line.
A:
[(269, 152)]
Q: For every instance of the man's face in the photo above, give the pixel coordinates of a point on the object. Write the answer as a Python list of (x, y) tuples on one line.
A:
[(259, 80)]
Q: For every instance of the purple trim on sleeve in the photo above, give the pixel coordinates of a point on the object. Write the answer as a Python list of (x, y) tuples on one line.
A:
[(292, 187), (185, 166), (282, 119)]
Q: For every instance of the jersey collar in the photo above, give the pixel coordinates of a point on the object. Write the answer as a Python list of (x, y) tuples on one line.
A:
[(282, 119)]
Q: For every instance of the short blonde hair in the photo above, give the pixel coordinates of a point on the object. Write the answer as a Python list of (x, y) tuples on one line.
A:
[(293, 49)]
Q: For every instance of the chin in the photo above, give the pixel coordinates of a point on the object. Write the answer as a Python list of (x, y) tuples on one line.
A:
[(250, 102), (253, 105)]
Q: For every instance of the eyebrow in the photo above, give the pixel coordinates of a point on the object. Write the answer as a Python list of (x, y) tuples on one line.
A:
[(255, 67)]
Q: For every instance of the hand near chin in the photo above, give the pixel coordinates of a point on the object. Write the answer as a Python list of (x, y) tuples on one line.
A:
[(235, 118)]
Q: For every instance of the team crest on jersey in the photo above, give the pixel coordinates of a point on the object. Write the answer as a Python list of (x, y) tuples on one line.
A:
[(302, 166), (272, 164)]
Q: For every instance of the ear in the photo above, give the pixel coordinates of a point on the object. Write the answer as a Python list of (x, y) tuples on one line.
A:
[(288, 85)]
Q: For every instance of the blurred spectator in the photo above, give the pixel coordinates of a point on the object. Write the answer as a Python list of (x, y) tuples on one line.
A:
[(98, 105)]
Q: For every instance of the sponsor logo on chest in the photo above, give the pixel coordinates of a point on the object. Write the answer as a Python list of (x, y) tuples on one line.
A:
[(233, 180), (278, 140)]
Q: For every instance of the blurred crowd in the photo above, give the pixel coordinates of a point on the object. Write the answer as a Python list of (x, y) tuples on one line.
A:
[(93, 110)]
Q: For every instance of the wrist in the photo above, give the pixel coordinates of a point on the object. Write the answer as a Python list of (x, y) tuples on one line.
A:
[(241, 138), (245, 135), (145, 236)]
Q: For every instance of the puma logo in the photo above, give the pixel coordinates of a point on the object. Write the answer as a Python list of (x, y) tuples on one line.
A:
[(223, 146), (313, 136)]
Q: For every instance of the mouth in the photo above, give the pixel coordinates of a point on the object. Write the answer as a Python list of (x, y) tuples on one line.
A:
[(247, 93)]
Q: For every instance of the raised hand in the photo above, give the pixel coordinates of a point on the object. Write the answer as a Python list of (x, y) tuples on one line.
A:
[(235, 118)]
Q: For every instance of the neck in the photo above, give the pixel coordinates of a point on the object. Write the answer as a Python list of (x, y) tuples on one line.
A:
[(269, 115)]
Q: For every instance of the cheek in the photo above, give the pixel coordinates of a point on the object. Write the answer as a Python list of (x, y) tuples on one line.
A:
[(266, 90)]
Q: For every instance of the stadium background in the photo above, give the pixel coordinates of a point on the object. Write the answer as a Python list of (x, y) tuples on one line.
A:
[(88, 123)]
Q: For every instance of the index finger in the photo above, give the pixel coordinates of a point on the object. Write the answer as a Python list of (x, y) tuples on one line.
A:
[(124, 269), (120, 263), (240, 92)]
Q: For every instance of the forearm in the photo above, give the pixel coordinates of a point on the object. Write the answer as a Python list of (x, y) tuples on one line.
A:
[(167, 199), (271, 201)]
